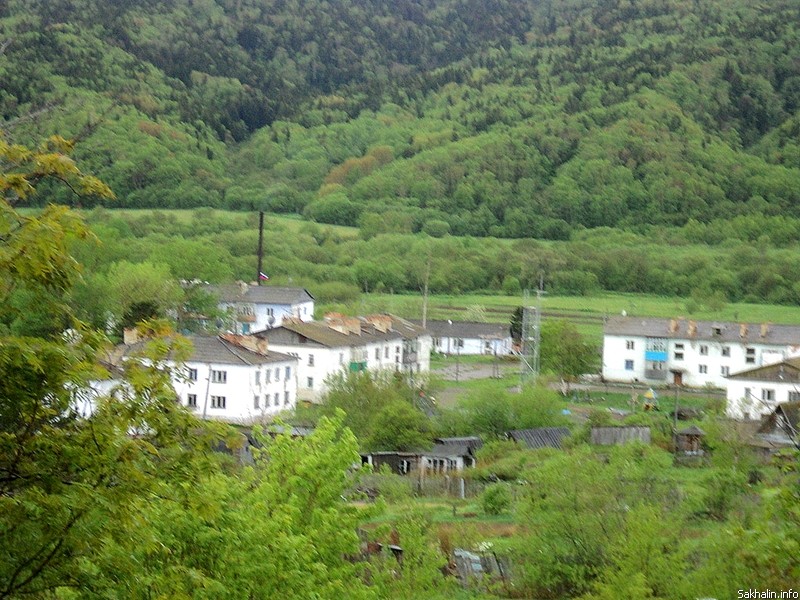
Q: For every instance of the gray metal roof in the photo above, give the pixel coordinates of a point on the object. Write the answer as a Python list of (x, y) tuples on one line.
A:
[(540, 437), (473, 442), (261, 294), (466, 329), (216, 350), (448, 451), (720, 331)]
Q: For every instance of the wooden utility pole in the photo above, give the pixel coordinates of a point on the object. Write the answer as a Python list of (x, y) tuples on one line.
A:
[(260, 245)]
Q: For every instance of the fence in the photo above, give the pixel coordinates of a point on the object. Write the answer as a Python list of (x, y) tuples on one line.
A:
[(427, 486)]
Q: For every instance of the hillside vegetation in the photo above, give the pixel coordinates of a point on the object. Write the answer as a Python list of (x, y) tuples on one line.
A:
[(504, 118)]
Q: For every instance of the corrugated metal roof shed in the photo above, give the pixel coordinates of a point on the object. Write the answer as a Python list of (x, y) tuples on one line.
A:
[(540, 437)]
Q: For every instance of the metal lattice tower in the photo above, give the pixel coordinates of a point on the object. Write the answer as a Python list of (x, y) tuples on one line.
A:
[(531, 337)]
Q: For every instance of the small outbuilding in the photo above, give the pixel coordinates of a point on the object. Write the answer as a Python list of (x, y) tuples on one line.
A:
[(689, 441)]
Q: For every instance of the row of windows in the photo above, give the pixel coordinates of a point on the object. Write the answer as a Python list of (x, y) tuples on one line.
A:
[(703, 369), (268, 375), (221, 401), (216, 401), (222, 376), (768, 395), (276, 400), (750, 353)]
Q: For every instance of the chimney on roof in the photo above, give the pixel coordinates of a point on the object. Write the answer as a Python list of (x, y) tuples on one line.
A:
[(257, 345), (742, 330), (692, 328), (382, 323), (764, 330), (673, 325), (346, 325)]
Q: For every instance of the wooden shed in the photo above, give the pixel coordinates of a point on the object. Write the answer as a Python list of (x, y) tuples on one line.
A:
[(689, 441)]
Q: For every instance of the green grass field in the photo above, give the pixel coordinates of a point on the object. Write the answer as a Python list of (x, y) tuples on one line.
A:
[(586, 312)]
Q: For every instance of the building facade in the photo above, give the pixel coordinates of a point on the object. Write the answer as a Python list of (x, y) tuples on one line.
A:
[(338, 345), (755, 393), (253, 308), (691, 353), (469, 337)]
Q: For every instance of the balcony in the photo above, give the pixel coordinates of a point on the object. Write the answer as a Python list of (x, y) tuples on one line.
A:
[(657, 374)]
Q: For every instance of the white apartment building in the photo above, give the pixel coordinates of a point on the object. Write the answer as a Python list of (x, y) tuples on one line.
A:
[(342, 344), (755, 393), (691, 353), (258, 307), (469, 337), (232, 378)]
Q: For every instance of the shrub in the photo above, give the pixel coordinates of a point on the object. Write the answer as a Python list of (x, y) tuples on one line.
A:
[(496, 499)]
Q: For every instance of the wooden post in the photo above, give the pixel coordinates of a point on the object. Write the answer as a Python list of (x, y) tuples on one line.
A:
[(260, 245)]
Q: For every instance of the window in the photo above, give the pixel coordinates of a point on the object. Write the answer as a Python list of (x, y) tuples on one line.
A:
[(191, 400), (377, 353), (703, 350), (277, 399), (256, 401), (724, 371), (747, 394), (630, 344), (702, 369), (750, 356), (310, 360), (459, 342), (258, 378), (341, 358), (397, 349), (629, 365), (270, 312), (288, 374), (192, 374), (286, 397), (267, 375), (768, 395), (679, 355), (678, 346), (716, 330), (219, 376), (277, 374), (245, 327), (794, 396), (217, 401), (386, 352), (310, 383), (726, 351)]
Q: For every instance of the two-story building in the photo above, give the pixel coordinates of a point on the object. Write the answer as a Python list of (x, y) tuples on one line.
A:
[(755, 393), (342, 344), (232, 378), (691, 353), (469, 337), (253, 307)]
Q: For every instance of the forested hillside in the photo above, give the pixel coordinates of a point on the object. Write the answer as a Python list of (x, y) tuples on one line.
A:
[(507, 118)]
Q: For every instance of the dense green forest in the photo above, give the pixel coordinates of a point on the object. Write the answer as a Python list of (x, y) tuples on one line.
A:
[(506, 118)]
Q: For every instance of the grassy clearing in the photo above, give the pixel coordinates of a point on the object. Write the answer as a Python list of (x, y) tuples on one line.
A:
[(586, 312)]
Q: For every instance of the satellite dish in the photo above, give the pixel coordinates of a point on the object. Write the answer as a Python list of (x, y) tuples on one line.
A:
[(271, 320)]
